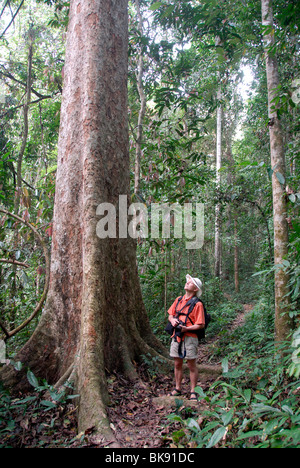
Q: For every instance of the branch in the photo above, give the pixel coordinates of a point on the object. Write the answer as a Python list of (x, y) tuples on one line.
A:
[(9, 334), (5, 4), (22, 105), (10, 76), (14, 262), (12, 20)]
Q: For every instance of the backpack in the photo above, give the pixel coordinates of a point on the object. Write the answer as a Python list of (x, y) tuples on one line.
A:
[(191, 303)]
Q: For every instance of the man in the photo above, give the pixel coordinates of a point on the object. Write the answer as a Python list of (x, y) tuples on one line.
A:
[(186, 345)]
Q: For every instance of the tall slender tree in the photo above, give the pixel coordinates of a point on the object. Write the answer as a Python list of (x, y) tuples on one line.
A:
[(218, 182), (142, 111), (282, 297)]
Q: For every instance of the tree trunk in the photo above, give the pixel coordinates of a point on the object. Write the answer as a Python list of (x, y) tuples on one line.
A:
[(140, 86), (282, 298), (18, 190), (236, 254), (94, 319), (218, 180)]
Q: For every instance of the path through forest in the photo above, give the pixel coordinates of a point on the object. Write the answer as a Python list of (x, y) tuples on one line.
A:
[(139, 412)]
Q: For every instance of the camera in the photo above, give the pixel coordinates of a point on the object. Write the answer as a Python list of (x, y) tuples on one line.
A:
[(170, 329)]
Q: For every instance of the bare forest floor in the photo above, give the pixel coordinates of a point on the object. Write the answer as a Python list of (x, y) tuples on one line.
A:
[(138, 412)]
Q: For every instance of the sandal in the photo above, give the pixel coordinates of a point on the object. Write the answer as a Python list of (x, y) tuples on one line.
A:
[(194, 396), (175, 392)]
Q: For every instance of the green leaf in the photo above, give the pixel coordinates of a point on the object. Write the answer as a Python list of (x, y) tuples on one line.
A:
[(155, 6), (48, 404), (227, 417), (225, 365), (168, 11), (261, 408), (18, 365), (249, 434), (287, 409), (192, 424), (260, 397), (270, 173), (32, 379), (216, 437), (280, 178), (247, 394), (71, 397), (25, 400), (200, 392)]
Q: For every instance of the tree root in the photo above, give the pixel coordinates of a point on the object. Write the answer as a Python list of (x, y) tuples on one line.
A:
[(68, 379)]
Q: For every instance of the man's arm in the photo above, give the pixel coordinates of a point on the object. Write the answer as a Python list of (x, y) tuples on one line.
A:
[(191, 328), (172, 311)]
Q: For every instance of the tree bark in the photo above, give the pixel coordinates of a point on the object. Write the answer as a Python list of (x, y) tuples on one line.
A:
[(94, 319), (140, 86), (25, 130), (236, 254), (282, 297), (218, 180)]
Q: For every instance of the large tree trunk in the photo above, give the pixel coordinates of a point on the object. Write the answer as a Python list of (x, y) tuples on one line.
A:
[(282, 298), (94, 319)]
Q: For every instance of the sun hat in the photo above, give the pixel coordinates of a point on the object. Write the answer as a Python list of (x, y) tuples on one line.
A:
[(197, 282)]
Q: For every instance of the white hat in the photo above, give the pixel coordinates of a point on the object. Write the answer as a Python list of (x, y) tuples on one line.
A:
[(197, 283)]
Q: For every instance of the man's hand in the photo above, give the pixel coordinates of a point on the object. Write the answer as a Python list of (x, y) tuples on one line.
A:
[(174, 321)]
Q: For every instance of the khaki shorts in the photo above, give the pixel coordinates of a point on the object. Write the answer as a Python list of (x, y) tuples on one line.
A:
[(190, 345)]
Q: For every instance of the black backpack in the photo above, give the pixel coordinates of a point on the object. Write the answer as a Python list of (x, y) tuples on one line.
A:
[(191, 303)]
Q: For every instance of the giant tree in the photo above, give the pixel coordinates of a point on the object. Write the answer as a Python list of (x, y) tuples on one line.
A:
[(94, 320)]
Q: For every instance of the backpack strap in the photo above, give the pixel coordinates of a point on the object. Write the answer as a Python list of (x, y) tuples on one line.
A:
[(191, 303)]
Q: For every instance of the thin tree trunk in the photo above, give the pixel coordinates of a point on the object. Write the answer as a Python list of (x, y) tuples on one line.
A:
[(140, 86), (218, 180), (94, 320), (282, 298), (25, 130), (19, 165), (236, 254)]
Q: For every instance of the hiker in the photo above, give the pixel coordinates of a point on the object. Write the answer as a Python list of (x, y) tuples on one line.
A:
[(184, 339)]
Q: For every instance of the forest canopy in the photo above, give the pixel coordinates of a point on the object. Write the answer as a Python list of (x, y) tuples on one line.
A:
[(198, 106)]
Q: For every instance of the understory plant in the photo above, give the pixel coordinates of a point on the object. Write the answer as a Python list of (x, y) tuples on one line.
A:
[(255, 403)]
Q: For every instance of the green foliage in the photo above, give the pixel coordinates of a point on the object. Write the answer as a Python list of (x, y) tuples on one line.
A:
[(294, 367), (40, 408), (243, 418), (256, 402)]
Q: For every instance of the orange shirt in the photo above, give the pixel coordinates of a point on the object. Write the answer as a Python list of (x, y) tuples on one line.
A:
[(197, 314)]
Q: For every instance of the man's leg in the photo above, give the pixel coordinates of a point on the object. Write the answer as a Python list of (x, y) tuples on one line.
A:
[(178, 372), (192, 365)]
